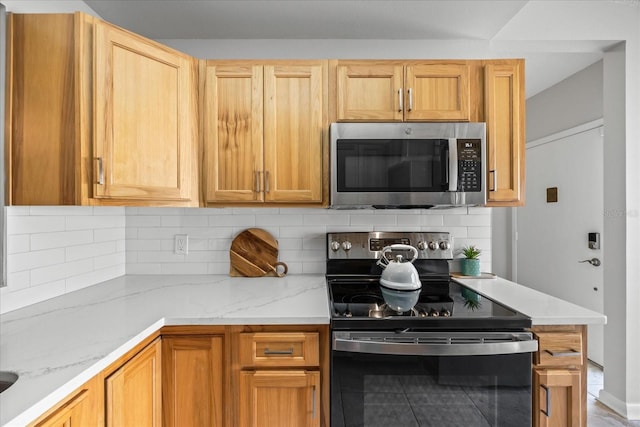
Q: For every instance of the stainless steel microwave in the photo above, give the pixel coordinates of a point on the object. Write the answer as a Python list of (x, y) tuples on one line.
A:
[(407, 165)]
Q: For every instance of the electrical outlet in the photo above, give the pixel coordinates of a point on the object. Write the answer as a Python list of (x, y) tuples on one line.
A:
[(182, 244)]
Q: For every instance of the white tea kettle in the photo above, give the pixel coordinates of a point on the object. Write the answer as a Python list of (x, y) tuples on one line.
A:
[(399, 281)]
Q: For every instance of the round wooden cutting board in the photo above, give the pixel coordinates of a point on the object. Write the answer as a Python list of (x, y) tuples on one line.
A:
[(254, 253)]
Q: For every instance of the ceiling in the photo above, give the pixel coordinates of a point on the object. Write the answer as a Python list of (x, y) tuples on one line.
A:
[(475, 22)]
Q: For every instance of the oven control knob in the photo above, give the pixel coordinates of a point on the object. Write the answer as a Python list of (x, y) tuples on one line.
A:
[(433, 245), (434, 313), (445, 313), (422, 245), (346, 245), (444, 245), (335, 246)]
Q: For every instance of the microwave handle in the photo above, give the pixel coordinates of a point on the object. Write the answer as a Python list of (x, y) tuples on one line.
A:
[(452, 165)]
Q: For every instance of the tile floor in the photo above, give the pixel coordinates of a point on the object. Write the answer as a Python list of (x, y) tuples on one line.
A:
[(598, 415)]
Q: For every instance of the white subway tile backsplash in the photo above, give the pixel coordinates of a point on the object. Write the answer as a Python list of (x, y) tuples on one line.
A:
[(54, 250), (34, 259), (34, 224), (60, 239)]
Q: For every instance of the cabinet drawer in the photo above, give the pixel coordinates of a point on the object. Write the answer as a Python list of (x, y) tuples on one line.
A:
[(559, 349), (279, 349)]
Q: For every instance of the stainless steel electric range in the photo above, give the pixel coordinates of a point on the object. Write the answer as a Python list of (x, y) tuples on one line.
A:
[(456, 358)]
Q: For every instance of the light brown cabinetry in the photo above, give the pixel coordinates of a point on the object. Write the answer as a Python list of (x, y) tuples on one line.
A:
[(504, 114), (394, 91), (82, 408), (264, 131), (97, 115), (192, 380), (280, 379), (559, 377), (133, 393)]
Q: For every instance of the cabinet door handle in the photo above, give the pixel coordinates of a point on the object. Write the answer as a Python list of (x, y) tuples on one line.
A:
[(313, 402), (266, 182), (257, 181), (100, 171), (400, 106), (548, 409), (410, 99), (495, 180), (268, 352), (568, 353)]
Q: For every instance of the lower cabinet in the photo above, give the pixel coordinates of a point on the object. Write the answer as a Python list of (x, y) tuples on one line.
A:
[(208, 376), (559, 377), (133, 393), (192, 381), (81, 409), (558, 397), (279, 398)]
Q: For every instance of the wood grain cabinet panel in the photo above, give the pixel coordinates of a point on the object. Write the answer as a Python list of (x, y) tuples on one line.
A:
[(557, 401), (193, 377), (145, 118), (83, 408), (98, 115), (279, 349), (264, 131), (505, 118), (410, 91), (233, 136), (280, 398), (133, 393), (559, 376)]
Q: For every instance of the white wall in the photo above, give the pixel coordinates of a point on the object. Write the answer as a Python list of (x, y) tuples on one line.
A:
[(620, 109), (300, 233)]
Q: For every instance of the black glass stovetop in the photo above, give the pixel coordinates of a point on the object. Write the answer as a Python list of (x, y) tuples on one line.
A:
[(358, 304)]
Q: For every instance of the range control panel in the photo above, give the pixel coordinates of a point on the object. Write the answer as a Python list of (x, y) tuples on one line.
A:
[(469, 165), (369, 245)]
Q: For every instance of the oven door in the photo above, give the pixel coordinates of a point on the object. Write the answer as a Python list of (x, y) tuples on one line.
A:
[(431, 379)]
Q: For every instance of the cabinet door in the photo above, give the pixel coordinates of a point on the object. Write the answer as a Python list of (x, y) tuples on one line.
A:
[(437, 91), (293, 132), (133, 392), (371, 92), (145, 118), (192, 381), (504, 114), (280, 399), (76, 412), (556, 401), (233, 132)]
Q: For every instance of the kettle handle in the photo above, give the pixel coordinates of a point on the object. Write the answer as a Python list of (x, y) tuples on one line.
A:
[(384, 261)]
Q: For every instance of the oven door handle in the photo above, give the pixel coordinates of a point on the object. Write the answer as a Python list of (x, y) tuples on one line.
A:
[(352, 345)]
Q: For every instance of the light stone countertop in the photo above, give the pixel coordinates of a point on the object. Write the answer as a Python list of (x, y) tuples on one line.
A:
[(59, 344), (543, 309)]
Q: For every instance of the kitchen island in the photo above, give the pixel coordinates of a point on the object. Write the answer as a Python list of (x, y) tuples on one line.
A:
[(58, 345)]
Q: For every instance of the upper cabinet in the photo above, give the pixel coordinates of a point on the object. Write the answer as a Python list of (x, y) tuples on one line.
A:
[(408, 91), (264, 131), (144, 118), (504, 114), (98, 115)]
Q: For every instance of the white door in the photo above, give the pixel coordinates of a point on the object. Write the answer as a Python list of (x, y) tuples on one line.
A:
[(552, 237)]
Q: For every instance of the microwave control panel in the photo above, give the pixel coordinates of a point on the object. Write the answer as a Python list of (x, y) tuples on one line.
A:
[(469, 165)]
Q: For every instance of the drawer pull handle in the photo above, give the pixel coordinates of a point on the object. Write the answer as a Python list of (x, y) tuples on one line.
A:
[(548, 392), (569, 353), (278, 352)]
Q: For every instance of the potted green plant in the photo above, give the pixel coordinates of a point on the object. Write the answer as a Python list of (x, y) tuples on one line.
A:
[(470, 264)]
